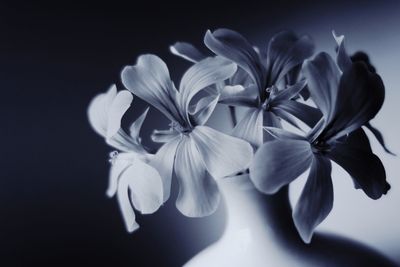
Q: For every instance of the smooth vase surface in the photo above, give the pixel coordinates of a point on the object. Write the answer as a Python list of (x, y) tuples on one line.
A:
[(260, 232)]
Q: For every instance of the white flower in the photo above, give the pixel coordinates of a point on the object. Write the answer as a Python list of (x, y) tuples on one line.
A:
[(132, 178), (196, 153)]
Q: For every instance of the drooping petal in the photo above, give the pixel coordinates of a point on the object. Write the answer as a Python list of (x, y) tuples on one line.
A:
[(279, 162), (365, 168), (149, 79), (378, 135), (201, 75), (117, 109), (98, 110), (139, 186), (250, 126), (359, 100), (316, 199), (342, 58), (187, 51), (222, 154), (286, 51), (163, 162), (198, 192), (136, 126), (323, 76), (232, 45)]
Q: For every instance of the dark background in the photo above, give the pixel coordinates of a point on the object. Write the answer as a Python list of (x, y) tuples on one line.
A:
[(54, 58)]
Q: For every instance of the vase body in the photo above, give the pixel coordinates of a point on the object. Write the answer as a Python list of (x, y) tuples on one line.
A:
[(260, 232)]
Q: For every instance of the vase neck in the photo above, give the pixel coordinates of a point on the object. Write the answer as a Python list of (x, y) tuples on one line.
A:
[(259, 214)]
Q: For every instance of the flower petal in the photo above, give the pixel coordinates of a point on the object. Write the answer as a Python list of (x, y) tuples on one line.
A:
[(232, 45), (198, 192), (270, 120), (316, 199), (201, 75), (222, 154), (286, 51), (288, 93), (323, 76), (149, 79), (307, 114), (238, 95), (378, 135), (98, 110), (117, 109), (359, 100), (283, 134), (277, 163), (365, 168), (136, 126), (120, 163), (163, 161), (250, 126), (187, 51), (141, 184), (342, 58), (203, 109)]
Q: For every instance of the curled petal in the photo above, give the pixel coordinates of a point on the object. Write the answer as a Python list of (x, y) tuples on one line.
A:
[(250, 126), (279, 162), (187, 51), (198, 192), (140, 185), (316, 199), (201, 75), (203, 109), (223, 155), (233, 46)]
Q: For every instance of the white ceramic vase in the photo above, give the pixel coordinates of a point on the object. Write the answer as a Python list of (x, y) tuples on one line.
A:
[(260, 232)]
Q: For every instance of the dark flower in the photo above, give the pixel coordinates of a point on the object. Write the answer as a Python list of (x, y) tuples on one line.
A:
[(347, 101)]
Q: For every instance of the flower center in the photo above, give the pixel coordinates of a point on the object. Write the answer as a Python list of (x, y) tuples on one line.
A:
[(320, 146), (179, 128)]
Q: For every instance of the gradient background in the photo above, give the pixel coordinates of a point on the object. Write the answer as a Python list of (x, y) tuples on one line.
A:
[(55, 57)]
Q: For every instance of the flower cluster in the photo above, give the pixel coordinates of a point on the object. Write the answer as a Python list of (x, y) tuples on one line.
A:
[(325, 102)]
